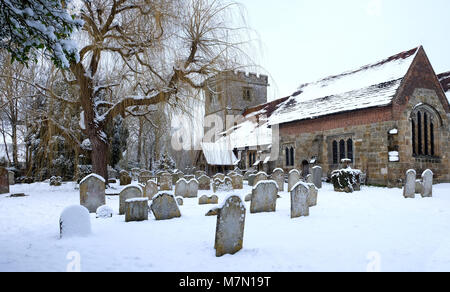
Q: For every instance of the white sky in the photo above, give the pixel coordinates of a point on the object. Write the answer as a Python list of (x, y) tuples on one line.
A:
[(305, 40)]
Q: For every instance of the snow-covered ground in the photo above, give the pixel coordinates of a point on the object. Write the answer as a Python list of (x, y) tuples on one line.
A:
[(373, 228)]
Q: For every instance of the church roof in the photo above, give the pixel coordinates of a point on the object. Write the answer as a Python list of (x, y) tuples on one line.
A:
[(219, 154), (372, 85), (444, 78)]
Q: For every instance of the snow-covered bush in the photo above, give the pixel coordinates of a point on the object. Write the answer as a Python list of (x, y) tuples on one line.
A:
[(75, 221), (104, 212), (346, 180)]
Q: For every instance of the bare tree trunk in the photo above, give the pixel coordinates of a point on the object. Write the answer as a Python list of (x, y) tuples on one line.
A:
[(139, 152), (99, 155)]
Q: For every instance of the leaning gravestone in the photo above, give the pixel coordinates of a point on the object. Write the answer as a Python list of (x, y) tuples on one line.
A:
[(129, 192), (165, 182), (278, 177), (125, 178), (264, 197), (237, 181), (427, 190), (205, 200), (299, 200), (144, 176), (230, 227), (294, 178), (92, 192), (260, 176), (409, 190), (204, 183), (136, 210), (164, 207), (317, 176), (312, 197), (11, 178), (151, 189)]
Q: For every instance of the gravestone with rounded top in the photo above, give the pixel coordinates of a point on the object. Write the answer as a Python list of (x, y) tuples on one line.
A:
[(204, 183), (125, 178), (144, 176), (129, 192), (92, 192), (264, 197), (237, 181), (225, 185), (409, 191), (165, 182), (260, 176), (165, 207), (317, 174), (151, 189), (299, 200), (312, 197), (278, 177), (205, 200), (293, 179), (427, 190)]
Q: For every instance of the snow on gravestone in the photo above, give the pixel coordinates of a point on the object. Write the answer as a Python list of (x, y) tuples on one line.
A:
[(104, 212), (278, 177), (219, 176), (181, 188), (75, 221), (299, 200), (92, 192), (192, 189), (225, 185), (427, 190), (4, 181), (205, 200), (260, 176), (164, 207), (151, 189), (317, 176), (313, 194), (409, 190), (136, 209), (165, 182), (264, 197), (237, 181), (204, 183), (294, 178), (129, 192), (230, 226)]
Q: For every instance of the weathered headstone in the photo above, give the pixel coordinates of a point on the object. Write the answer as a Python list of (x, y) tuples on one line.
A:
[(317, 176), (309, 179), (346, 180), (299, 200), (260, 176), (136, 209), (92, 192), (230, 227), (181, 188), (204, 183), (199, 173), (237, 181), (151, 189), (219, 176), (427, 177), (213, 212), (409, 190), (205, 200), (251, 179), (176, 177), (419, 186), (294, 178), (225, 185), (248, 198), (264, 197), (192, 189), (11, 178), (180, 201), (164, 207), (125, 178), (165, 182), (144, 176), (129, 192), (278, 177), (312, 197)]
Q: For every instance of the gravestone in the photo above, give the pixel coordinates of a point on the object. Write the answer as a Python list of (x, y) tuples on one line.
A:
[(409, 190), (56, 181), (219, 176), (136, 210), (164, 207), (144, 176), (317, 176), (260, 176), (264, 197), (294, 178), (251, 179), (238, 171), (165, 182), (75, 221), (213, 212), (151, 189), (299, 200), (225, 185), (205, 200), (92, 192), (199, 173), (181, 188), (309, 179), (248, 198), (192, 189), (176, 177), (230, 227), (129, 192), (180, 201), (237, 181), (278, 177), (11, 178), (419, 186), (427, 190), (204, 183), (312, 197), (135, 173), (125, 178)]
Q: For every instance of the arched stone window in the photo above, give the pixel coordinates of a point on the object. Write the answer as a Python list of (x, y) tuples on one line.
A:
[(425, 123), (292, 163), (341, 148), (335, 152), (290, 155), (350, 149)]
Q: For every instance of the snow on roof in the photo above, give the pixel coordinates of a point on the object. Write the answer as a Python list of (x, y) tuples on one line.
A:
[(219, 153), (369, 86), (444, 78)]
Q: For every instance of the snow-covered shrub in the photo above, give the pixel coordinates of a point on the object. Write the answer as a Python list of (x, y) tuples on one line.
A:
[(346, 180), (75, 221), (104, 212)]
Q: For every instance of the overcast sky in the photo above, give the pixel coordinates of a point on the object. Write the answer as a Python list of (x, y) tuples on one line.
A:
[(305, 40)]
